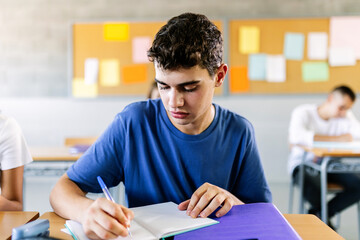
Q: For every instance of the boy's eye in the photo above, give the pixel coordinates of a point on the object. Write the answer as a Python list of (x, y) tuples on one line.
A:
[(161, 87), (190, 88)]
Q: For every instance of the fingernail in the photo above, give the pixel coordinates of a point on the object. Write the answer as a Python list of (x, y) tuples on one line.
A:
[(188, 212), (202, 214), (218, 215)]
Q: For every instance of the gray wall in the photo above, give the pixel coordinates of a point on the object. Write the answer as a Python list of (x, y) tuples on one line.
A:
[(34, 66)]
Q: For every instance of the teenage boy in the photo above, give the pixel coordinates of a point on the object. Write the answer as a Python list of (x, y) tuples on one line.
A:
[(331, 121), (180, 148)]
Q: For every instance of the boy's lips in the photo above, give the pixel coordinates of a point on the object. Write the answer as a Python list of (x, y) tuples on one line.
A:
[(178, 114)]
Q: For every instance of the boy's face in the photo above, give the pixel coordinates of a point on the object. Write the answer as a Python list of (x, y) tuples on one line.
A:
[(187, 96)]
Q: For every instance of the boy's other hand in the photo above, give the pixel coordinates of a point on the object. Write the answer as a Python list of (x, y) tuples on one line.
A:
[(206, 199)]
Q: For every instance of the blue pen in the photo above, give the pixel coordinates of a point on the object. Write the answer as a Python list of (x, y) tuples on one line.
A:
[(108, 196)]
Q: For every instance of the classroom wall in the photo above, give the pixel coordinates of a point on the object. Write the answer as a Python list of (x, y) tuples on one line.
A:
[(34, 67)]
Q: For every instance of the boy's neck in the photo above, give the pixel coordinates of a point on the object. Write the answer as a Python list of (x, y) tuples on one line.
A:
[(198, 126)]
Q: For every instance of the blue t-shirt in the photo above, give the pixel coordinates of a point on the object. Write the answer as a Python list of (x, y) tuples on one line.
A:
[(159, 163)]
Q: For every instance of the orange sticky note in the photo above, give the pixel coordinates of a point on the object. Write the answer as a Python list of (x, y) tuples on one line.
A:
[(239, 81), (134, 74), (116, 31)]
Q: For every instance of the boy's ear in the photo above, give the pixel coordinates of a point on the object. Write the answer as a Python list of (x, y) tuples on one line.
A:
[(220, 75)]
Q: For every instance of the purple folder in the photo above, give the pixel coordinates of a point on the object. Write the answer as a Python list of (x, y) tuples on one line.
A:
[(260, 221)]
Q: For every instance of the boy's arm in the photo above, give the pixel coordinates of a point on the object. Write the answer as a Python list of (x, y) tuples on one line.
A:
[(101, 219)]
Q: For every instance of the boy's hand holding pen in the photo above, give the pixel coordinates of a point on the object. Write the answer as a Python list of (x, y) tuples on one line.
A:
[(109, 197)]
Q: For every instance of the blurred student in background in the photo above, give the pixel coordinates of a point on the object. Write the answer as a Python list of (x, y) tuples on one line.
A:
[(331, 121), (14, 154)]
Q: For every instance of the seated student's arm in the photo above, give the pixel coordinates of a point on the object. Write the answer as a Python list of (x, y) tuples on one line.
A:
[(354, 131), (299, 132), (14, 154), (11, 198), (101, 219)]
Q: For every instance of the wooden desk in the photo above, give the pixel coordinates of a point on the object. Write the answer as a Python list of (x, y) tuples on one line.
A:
[(53, 154), (56, 224), (12, 219), (310, 227), (307, 226), (325, 152)]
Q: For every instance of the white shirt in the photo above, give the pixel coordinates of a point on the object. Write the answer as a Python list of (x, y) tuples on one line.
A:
[(14, 151), (305, 123)]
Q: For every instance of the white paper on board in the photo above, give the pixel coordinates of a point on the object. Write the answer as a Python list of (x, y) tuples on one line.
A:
[(341, 57), (275, 68), (91, 70), (317, 45)]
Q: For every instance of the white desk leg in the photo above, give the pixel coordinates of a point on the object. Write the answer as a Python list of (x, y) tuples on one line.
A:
[(323, 181), (301, 183)]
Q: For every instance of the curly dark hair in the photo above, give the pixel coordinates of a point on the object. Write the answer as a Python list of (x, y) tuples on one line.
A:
[(186, 41)]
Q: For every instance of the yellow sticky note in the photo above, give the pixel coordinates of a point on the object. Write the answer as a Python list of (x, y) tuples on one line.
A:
[(109, 73), (249, 39), (81, 89), (134, 73), (116, 31)]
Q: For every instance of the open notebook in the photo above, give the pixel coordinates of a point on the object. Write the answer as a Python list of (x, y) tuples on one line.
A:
[(153, 222)]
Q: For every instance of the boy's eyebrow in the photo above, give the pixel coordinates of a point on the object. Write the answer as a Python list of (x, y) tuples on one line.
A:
[(181, 84)]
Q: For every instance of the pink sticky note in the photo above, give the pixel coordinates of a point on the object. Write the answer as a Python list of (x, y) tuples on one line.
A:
[(345, 33), (140, 46)]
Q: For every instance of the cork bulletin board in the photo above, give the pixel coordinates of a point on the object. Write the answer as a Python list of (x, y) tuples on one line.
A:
[(109, 58), (303, 74)]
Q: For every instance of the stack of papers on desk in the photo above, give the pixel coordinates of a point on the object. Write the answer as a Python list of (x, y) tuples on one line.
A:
[(153, 222)]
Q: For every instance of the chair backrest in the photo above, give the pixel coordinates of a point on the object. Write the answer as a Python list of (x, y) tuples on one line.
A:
[(72, 141)]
